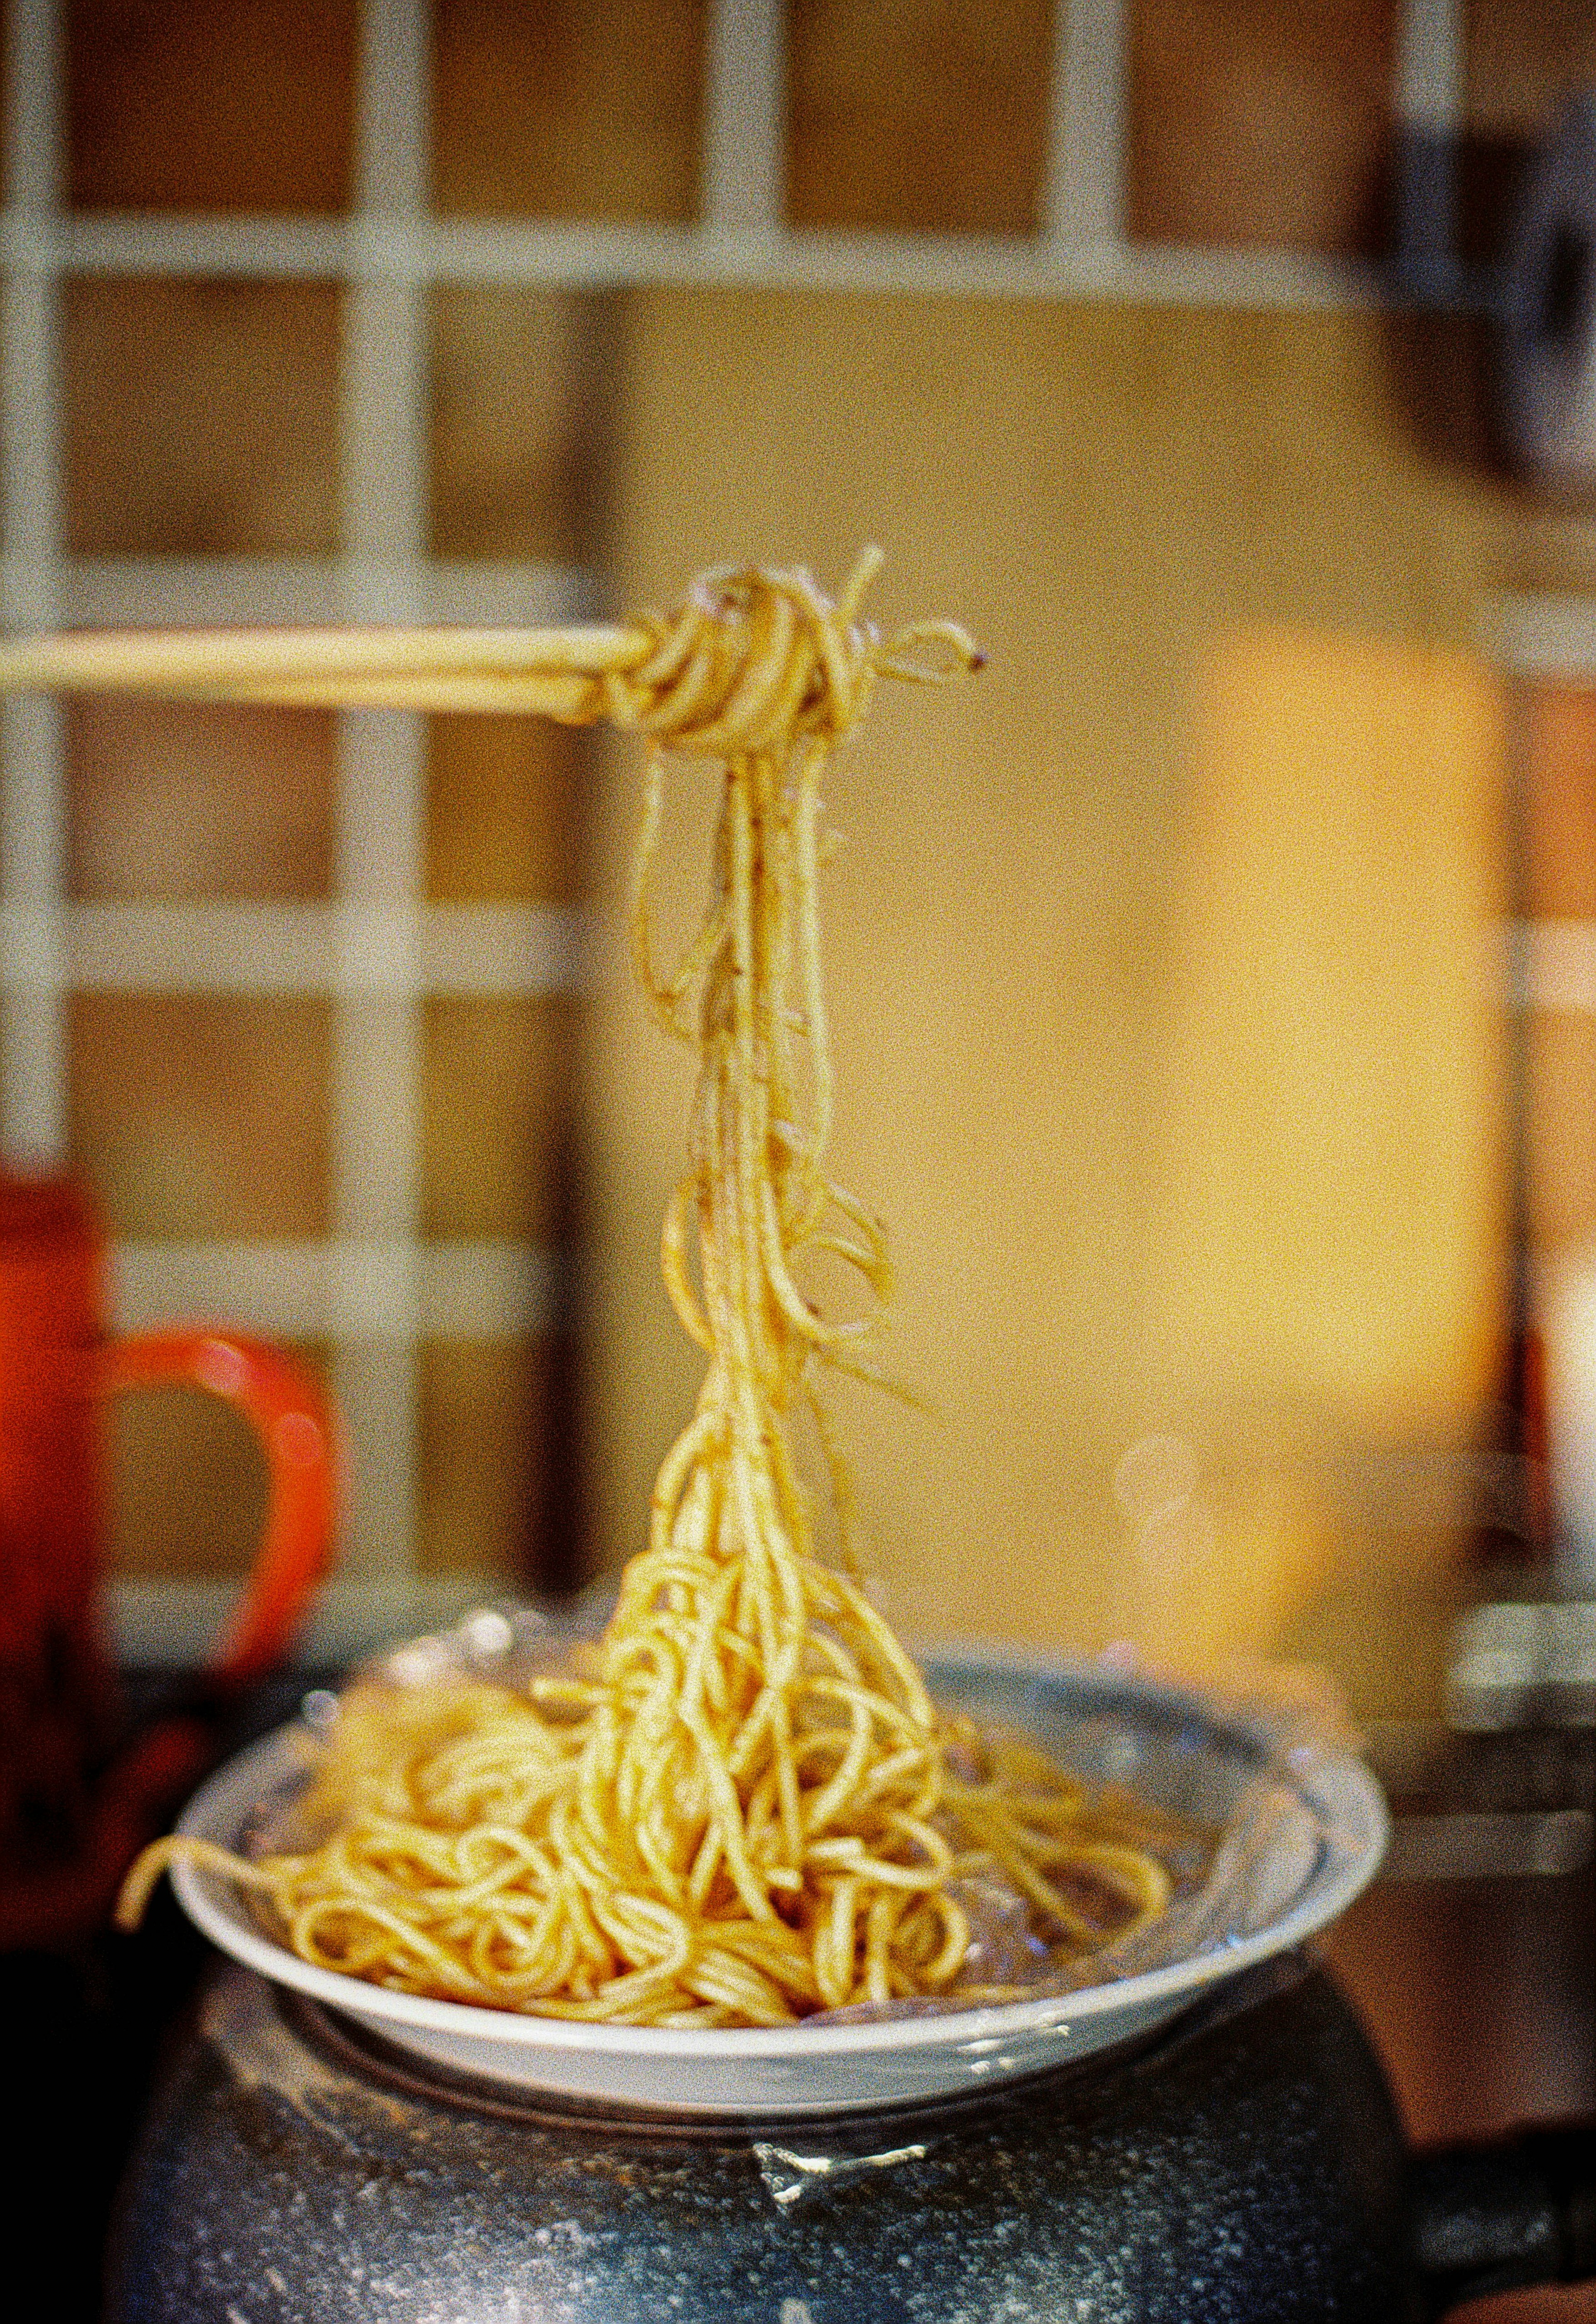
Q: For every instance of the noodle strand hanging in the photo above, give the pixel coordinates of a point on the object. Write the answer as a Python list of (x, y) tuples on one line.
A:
[(741, 1806)]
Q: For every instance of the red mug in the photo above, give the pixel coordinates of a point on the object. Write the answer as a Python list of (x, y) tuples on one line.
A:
[(73, 1810)]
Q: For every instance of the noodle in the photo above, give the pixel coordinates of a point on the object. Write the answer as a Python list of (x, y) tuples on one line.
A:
[(740, 1806)]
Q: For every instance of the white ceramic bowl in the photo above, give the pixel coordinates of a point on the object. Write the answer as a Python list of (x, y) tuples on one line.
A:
[(1319, 1844)]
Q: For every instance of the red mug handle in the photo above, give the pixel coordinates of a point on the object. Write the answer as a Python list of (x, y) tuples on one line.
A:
[(291, 1415)]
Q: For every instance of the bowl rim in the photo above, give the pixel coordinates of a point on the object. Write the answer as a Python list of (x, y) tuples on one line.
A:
[(1337, 1784)]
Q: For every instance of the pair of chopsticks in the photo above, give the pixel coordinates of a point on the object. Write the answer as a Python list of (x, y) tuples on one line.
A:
[(745, 649), (548, 670)]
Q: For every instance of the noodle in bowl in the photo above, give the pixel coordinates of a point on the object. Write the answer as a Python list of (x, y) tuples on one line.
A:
[(1302, 1826)]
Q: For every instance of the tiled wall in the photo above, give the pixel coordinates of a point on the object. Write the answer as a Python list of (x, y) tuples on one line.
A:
[(203, 463), (217, 363)]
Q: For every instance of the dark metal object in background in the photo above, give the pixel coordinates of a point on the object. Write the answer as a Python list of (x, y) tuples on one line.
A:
[(1250, 2166), (1546, 313), (1491, 2219)]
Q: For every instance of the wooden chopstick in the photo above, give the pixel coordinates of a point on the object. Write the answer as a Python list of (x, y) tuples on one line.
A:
[(543, 670)]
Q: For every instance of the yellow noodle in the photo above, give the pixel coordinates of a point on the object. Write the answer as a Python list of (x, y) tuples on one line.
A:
[(743, 1807)]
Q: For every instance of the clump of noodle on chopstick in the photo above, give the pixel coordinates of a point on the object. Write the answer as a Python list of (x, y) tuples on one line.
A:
[(741, 1806)]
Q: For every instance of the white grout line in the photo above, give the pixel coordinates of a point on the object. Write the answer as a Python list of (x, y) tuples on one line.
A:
[(385, 455), (1430, 92), (32, 847), (198, 592), (510, 948), (393, 109), (507, 594), (156, 592), (32, 498), (380, 847), (1171, 275), (393, 951), (172, 1625), (33, 73), (181, 243), (598, 256), (376, 1114), (1541, 633), (744, 118), (377, 1068), (1083, 204), (489, 1290), (364, 1289)]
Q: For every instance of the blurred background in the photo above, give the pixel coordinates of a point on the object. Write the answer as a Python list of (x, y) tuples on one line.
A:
[(1213, 980), (1170, 963)]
